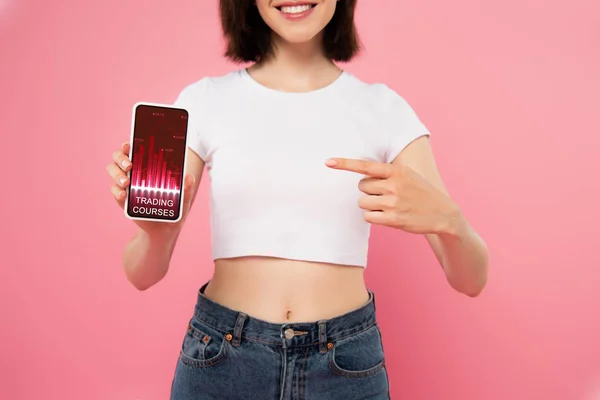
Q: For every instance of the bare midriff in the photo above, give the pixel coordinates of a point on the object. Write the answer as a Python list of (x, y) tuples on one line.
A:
[(284, 291)]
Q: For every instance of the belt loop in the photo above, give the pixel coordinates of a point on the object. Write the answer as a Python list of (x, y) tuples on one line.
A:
[(237, 331), (322, 337)]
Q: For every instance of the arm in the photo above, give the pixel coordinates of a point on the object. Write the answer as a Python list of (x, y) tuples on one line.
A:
[(148, 254), (460, 251)]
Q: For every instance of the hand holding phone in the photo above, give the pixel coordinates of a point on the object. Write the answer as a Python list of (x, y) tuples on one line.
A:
[(148, 172), (118, 169)]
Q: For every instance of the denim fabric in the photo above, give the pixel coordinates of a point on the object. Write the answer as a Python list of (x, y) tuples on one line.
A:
[(227, 354)]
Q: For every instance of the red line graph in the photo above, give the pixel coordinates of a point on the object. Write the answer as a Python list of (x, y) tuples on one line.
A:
[(154, 167)]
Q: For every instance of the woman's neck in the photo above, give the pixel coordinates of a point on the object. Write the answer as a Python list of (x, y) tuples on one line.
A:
[(296, 66)]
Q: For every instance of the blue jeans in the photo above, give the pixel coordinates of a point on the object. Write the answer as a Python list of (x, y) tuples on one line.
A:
[(227, 354)]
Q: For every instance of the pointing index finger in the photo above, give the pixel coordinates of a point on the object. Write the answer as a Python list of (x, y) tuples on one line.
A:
[(370, 168)]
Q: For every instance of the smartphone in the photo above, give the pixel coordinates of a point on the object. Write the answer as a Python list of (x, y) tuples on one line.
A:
[(158, 144)]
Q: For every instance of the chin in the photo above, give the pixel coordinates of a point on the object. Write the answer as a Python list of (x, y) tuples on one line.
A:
[(297, 37)]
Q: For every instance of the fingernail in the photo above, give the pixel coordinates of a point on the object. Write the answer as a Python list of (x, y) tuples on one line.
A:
[(330, 162), (125, 163), (122, 181)]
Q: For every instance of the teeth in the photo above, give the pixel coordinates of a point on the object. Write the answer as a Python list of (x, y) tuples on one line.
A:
[(296, 9)]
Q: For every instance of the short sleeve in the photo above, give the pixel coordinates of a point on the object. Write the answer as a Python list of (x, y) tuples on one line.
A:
[(402, 125), (190, 98)]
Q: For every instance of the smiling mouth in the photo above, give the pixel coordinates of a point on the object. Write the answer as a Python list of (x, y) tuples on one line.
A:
[(295, 9)]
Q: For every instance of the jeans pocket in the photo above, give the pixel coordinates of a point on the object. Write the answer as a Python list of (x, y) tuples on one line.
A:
[(359, 355), (203, 346)]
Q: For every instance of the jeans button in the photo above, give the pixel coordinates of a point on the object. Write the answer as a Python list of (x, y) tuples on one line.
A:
[(289, 333)]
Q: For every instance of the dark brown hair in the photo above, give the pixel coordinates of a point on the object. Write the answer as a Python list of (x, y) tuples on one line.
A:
[(249, 37)]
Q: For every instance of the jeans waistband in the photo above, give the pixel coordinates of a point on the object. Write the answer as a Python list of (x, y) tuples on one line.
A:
[(245, 327)]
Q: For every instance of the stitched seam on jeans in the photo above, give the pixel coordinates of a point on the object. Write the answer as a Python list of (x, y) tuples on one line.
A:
[(343, 335), (302, 376), (354, 374), (358, 374), (349, 333), (197, 333), (202, 363), (210, 325)]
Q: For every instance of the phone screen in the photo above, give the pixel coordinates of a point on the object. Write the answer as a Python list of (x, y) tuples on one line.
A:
[(158, 149)]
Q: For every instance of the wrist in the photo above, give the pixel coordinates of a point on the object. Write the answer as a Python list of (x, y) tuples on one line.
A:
[(453, 222), (160, 234)]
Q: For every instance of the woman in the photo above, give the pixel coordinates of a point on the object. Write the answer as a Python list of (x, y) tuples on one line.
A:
[(303, 158)]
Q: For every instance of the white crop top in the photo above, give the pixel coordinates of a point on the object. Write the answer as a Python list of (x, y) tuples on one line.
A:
[(271, 193)]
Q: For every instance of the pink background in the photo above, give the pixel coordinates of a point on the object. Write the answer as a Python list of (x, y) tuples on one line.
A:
[(509, 89)]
